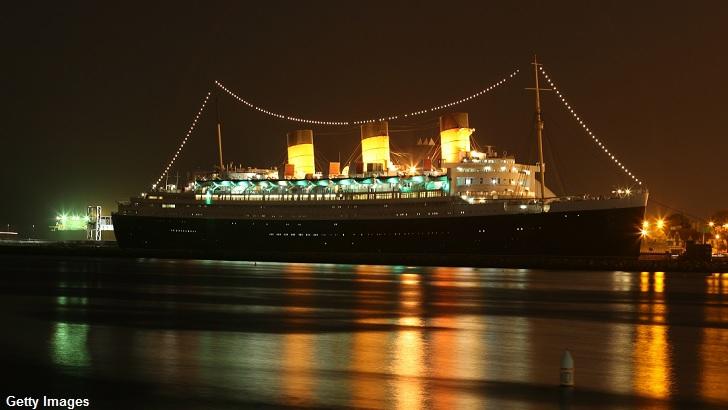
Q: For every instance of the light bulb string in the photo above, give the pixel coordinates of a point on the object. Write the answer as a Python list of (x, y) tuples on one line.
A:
[(600, 143), (296, 118), (191, 128)]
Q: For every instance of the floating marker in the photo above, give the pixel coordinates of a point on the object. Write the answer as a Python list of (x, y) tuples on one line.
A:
[(567, 369)]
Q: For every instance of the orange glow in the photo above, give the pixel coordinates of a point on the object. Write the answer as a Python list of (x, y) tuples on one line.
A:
[(651, 349), (443, 361), (298, 348), (410, 279), (408, 365), (644, 282), (659, 282), (369, 348), (297, 379), (714, 348), (717, 283), (368, 356), (651, 361)]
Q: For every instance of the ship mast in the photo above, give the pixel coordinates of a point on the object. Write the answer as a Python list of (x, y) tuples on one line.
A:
[(539, 131), (219, 134)]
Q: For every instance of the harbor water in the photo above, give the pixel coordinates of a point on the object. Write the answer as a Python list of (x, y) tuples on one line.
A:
[(167, 333)]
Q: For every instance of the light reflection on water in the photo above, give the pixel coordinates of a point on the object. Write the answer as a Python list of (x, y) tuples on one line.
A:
[(402, 337), (651, 351), (68, 345), (714, 349), (69, 340), (298, 350), (409, 351)]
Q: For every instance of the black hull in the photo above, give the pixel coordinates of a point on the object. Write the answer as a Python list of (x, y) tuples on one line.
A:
[(607, 232)]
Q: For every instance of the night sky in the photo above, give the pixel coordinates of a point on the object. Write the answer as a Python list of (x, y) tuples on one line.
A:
[(97, 96)]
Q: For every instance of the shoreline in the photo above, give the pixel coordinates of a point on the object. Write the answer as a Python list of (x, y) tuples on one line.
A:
[(110, 249)]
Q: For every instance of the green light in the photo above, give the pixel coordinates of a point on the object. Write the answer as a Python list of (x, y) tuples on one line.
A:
[(74, 222), (68, 344)]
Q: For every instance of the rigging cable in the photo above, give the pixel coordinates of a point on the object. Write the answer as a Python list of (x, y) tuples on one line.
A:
[(184, 141), (555, 160), (356, 154), (597, 141)]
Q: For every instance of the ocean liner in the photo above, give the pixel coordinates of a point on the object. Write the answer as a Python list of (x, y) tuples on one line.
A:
[(466, 201)]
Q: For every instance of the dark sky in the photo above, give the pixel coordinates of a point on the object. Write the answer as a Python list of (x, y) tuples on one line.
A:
[(97, 95)]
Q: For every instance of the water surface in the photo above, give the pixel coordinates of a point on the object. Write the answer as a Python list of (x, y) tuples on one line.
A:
[(190, 334)]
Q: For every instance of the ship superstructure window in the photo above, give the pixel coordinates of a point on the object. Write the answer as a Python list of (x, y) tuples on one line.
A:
[(168, 205)]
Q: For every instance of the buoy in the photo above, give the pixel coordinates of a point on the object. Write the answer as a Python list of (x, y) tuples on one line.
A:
[(567, 369)]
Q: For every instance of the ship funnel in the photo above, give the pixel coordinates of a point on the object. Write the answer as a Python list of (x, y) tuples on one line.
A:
[(454, 136), (300, 153), (375, 146)]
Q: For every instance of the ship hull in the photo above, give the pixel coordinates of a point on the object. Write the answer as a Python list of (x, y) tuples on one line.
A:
[(602, 232)]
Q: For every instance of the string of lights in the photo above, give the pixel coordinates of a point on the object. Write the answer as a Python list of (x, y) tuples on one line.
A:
[(184, 141), (581, 122), (358, 122), (275, 114)]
